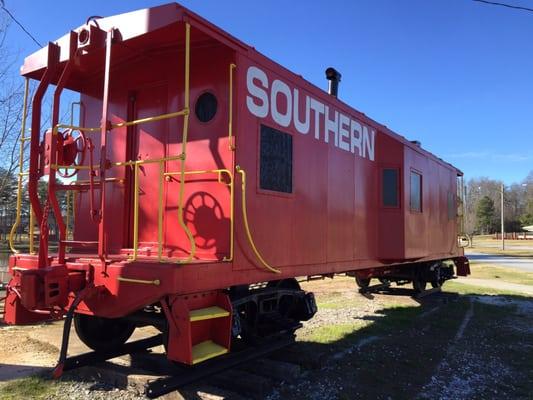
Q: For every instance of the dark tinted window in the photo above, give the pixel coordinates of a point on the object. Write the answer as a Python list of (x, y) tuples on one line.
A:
[(390, 187), (275, 160), (416, 192), (206, 107)]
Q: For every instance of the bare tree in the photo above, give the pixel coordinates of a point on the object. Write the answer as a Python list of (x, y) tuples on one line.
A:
[(11, 99)]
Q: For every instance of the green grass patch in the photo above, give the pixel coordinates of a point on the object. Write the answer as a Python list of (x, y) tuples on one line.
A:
[(466, 288), (491, 271), (33, 387), (333, 333), (387, 320), (337, 304), (487, 244)]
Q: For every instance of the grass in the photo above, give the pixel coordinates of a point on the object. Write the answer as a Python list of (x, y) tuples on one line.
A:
[(491, 271), (485, 244), (468, 289), (385, 322), (332, 333), (337, 303), (33, 387)]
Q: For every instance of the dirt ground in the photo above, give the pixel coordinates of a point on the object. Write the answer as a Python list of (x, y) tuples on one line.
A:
[(473, 341)]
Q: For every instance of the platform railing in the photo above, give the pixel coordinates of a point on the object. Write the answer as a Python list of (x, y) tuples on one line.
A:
[(135, 164)]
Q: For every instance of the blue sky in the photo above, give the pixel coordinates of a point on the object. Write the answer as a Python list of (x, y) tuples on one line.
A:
[(455, 74)]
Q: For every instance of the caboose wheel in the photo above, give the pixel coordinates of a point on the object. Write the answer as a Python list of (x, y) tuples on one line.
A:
[(437, 280), (419, 285), (102, 334), (363, 283), (384, 281)]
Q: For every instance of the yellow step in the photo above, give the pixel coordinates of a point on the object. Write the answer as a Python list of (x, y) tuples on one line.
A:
[(206, 350), (207, 313)]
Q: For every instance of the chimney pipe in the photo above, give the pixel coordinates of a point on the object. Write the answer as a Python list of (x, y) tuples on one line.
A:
[(334, 77)]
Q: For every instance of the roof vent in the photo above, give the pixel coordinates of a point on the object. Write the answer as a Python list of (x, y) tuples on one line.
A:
[(416, 143)]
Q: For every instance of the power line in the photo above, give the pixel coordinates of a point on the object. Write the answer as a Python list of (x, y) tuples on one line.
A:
[(494, 3), (19, 24)]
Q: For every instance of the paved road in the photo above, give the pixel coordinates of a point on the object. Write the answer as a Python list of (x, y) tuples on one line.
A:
[(525, 263)]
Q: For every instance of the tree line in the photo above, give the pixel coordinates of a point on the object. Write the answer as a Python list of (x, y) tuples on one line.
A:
[(483, 205)]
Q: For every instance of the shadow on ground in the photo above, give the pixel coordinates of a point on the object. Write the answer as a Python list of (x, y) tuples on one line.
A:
[(450, 344)]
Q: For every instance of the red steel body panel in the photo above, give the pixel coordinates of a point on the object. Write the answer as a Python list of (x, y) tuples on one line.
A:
[(333, 221)]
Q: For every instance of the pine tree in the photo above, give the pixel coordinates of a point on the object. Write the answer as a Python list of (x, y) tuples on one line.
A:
[(485, 214)]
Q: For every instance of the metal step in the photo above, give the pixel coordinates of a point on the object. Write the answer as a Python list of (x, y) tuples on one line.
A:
[(207, 313), (206, 350)]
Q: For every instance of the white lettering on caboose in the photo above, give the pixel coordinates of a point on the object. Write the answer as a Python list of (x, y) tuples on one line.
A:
[(327, 124)]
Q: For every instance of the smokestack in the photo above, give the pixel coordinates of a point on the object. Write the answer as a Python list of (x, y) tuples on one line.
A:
[(334, 77)]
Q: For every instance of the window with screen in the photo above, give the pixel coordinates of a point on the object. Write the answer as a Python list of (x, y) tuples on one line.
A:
[(416, 192), (275, 166), (389, 187), (452, 209)]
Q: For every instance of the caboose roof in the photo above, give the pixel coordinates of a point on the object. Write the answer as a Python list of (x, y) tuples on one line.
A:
[(158, 26)]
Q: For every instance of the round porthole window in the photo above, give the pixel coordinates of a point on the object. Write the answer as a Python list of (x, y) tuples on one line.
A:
[(206, 107)]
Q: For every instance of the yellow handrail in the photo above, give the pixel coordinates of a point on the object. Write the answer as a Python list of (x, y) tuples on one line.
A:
[(183, 112), (230, 107), (160, 117), (136, 212), (21, 166), (247, 226), (160, 211), (78, 167), (184, 142), (147, 161), (78, 128), (155, 282)]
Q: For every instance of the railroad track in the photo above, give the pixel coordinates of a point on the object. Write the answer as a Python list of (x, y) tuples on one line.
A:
[(250, 372), (246, 373)]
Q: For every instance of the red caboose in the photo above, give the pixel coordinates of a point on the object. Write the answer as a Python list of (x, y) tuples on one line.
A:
[(202, 168)]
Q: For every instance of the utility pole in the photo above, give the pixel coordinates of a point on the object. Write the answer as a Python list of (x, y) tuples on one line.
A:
[(503, 228)]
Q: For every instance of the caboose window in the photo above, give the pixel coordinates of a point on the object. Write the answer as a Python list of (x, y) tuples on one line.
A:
[(389, 187), (206, 107), (416, 192), (275, 166)]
